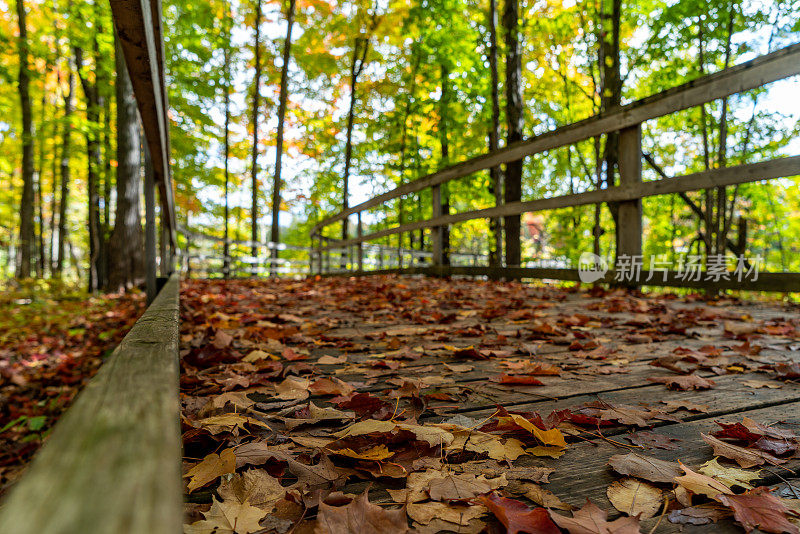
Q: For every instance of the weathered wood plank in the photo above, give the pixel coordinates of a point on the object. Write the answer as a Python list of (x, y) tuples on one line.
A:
[(112, 463), (760, 71)]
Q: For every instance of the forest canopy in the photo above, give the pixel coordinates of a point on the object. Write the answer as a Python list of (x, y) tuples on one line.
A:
[(283, 112)]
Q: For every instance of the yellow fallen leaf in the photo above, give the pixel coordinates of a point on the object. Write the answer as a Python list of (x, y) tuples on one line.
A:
[(635, 497), (212, 467), (552, 437), (379, 452)]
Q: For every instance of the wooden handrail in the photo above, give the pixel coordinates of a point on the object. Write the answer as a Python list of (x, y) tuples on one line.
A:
[(740, 174), (138, 25), (113, 461), (749, 75)]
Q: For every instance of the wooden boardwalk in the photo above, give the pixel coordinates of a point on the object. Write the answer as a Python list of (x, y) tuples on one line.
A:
[(420, 352)]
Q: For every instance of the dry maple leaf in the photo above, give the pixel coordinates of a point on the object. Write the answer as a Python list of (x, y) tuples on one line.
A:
[(229, 422), (744, 457), (592, 520), (228, 517), (212, 467), (645, 467), (760, 509), (635, 498), (730, 476), (701, 484), (459, 515), (360, 516), (684, 383), (463, 486), (516, 516), (330, 385), (293, 388), (255, 487), (699, 515)]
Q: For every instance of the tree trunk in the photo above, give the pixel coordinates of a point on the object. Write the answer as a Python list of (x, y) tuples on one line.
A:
[(495, 174), (94, 164), (275, 231), (226, 251), (514, 116), (445, 144), (610, 90), (360, 47), (26, 229), (254, 121), (64, 174), (126, 246)]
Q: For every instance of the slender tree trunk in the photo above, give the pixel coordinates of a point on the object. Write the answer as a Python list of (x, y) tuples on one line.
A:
[(64, 174), (515, 119), (94, 164), (275, 235), (495, 173), (254, 121), (722, 157), (226, 251), (360, 47), (708, 222), (444, 117), (26, 227), (126, 246), (610, 90)]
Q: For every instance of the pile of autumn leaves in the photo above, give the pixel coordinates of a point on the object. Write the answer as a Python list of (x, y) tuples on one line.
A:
[(280, 466)]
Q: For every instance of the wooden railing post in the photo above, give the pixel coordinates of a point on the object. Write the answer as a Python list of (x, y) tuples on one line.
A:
[(149, 225), (360, 232), (437, 233), (629, 223)]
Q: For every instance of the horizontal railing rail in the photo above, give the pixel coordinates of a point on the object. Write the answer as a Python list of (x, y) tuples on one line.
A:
[(749, 75), (113, 461), (627, 120)]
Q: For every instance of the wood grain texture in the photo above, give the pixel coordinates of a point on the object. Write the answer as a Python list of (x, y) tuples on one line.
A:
[(112, 463)]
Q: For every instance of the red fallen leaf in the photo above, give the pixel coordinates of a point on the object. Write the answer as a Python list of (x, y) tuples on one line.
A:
[(760, 509), (470, 353), (365, 405), (292, 355), (684, 383), (516, 516), (524, 380), (788, 371), (222, 340), (330, 386)]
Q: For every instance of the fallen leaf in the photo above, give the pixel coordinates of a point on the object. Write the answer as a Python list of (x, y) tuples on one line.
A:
[(635, 498), (360, 516), (255, 487), (463, 486), (698, 515), (653, 440), (331, 360), (701, 484), (730, 476), (592, 520), (744, 457), (645, 467), (228, 517), (293, 388), (516, 516), (212, 467), (545, 497), (756, 384), (426, 512), (759, 509), (229, 422), (685, 382)]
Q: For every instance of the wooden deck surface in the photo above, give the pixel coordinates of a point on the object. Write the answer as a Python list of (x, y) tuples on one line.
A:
[(431, 351)]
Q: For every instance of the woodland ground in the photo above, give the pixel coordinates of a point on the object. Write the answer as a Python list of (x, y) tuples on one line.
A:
[(381, 403), (52, 342)]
